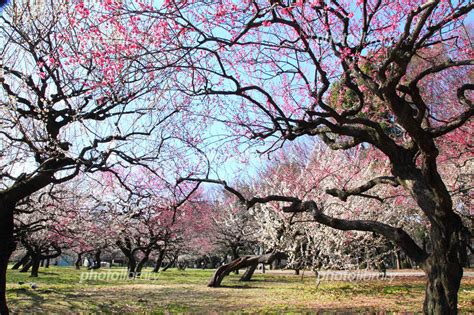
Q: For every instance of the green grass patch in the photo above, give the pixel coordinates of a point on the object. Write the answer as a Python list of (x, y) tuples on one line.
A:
[(66, 290)]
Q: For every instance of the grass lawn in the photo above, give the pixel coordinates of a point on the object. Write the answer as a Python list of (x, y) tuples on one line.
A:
[(60, 290)]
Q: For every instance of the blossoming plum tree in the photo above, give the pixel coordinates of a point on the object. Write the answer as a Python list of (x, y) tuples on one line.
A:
[(72, 100), (268, 68), (145, 217), (310, 244)]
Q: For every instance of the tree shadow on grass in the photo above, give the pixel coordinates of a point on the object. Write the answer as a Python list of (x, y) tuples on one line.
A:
[(36, 299), (48, 273), (238, 287), (255, 280), (348, 311)]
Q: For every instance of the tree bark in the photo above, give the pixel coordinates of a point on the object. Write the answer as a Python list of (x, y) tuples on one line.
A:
[(140, 265), (169, 265), (235, 256), (398, 259), (171, 262), (159, 261), (27, 266), (132, 266), (7, 246), (78, 261), (444, 267), (441, 294), (35, 264), (247, 276), (21, 262), (97, 260)]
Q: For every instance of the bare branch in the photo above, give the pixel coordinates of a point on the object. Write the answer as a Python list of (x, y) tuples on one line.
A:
[(343, 194)]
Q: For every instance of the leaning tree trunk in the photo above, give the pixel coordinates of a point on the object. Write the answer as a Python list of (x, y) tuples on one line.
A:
[(444, 267), (7, 246), (398, 259), (169, 265), (247, 276), (140, 265), (97, 260), (35, 264), (47, 258), (21, 262), (132, 266), (250, 262), (171, 262), (159, 261), (27, 266), (78, 261), (235, 256)]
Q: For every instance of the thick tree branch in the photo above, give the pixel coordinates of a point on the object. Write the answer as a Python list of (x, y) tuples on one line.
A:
[(397, 235), (343, 194), (462, 118), (247, 202)]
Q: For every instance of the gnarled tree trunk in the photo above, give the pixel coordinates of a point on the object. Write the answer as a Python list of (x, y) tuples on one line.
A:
[(27, 266), (78, 261), (35, 264), (169, 265), (443, 282), (235, 256), (444, 267), (159, 261), (398, 260), (247, 276), (172, 261), (132, 266), (37, 258), (250, 262), (141, 264), (97, 260), (7, 246), (21, 262)]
